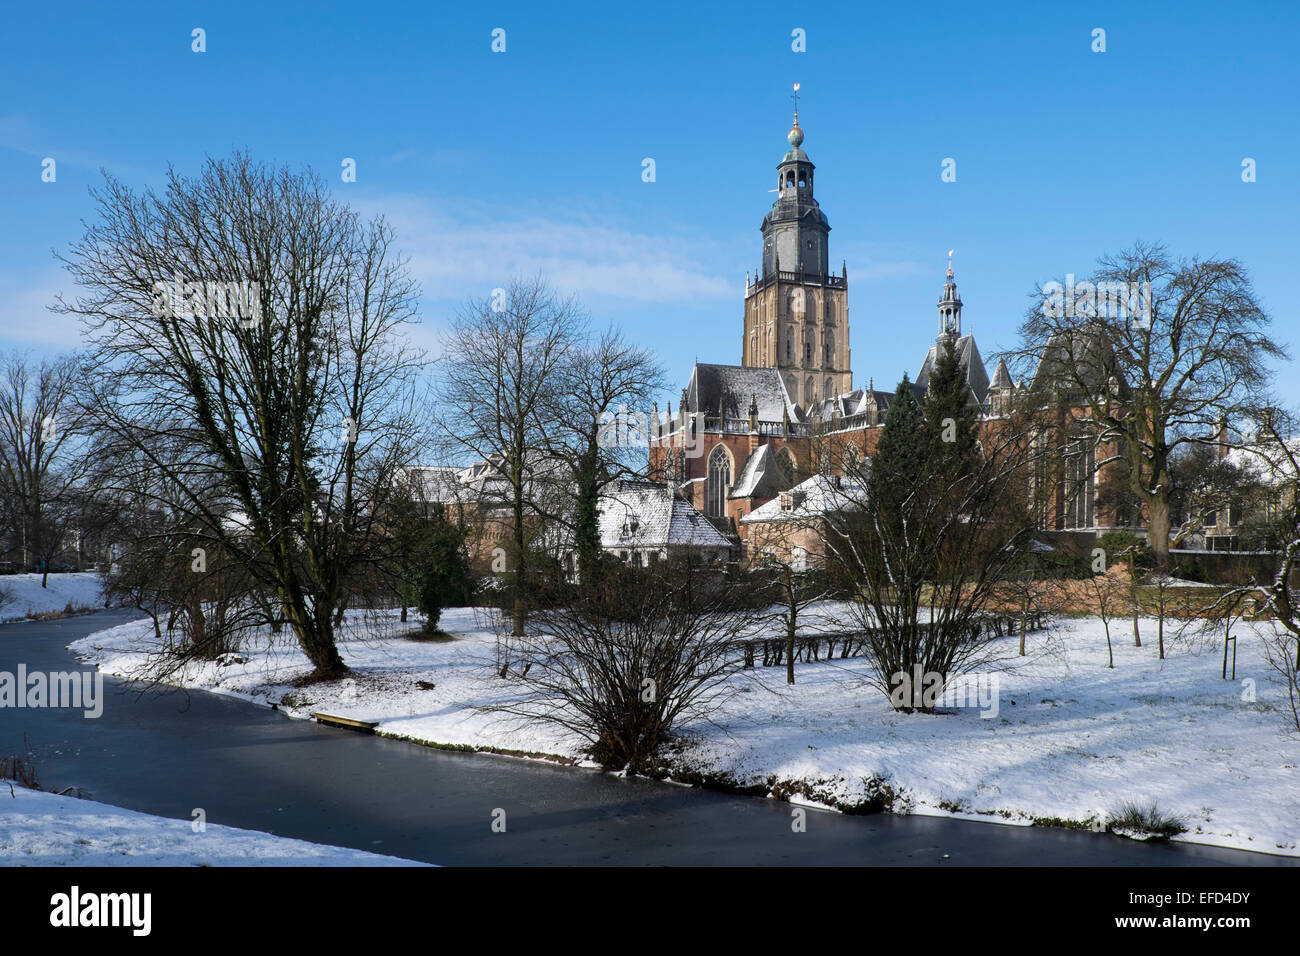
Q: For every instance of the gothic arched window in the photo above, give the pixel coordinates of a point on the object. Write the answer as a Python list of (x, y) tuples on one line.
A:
[(828, 351), (785, 465), (807, 351), (827, 387), (719, 480), (810, 392), (789, 345)]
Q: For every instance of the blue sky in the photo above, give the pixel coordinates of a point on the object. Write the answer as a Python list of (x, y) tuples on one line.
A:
[(491, 164)]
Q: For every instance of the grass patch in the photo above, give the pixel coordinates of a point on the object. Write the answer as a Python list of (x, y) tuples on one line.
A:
[(1144, 822)]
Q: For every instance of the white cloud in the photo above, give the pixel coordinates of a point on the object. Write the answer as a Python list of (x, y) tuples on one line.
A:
[(466, 249)]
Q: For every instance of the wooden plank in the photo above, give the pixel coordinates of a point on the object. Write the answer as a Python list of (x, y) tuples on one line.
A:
[(350, 722)]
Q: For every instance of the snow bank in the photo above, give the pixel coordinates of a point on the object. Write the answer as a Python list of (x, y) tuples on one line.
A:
[(21, 595), (1071, 742), (45, 829)]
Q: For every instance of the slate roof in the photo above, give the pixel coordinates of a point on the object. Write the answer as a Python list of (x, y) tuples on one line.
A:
[(1084, 349), (850, 403), (761, 477), (1002, 376), (977, 377), (646, 514), (736, 386)]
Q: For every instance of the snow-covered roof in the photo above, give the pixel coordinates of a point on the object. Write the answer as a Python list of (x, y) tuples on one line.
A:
[(1267, 461), (762, 476), (819, 495), (734, 387), (646, 514)]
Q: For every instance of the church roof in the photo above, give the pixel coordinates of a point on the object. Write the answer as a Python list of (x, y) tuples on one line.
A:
[(735, 386), (968, 354), (646, 514), (761, 477), (818, 496), (1079, 354)]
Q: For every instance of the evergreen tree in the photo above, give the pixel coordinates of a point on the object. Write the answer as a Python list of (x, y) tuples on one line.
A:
[(902, 452), (949, 419), (445, 581)]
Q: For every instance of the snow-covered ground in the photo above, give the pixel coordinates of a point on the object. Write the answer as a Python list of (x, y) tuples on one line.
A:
[(46, 829), (1072, 740), (21, 595)]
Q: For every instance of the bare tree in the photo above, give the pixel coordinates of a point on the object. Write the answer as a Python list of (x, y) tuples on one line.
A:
[(604, 427), (248, 333), (43, 455), (1148, 355), (1206, 485), (638, 654), (504, 367), (1109, 589), (790, 559)]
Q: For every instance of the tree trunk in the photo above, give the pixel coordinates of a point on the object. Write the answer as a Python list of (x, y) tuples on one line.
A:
[(521, 608), (587, 528), (1158, 529), (1137, 636), (316, 638), (789, 645)]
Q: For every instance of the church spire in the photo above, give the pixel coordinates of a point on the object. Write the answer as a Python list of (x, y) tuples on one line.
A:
[(950, 304)]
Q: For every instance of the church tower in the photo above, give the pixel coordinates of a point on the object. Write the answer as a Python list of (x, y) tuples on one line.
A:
[(796, 311)]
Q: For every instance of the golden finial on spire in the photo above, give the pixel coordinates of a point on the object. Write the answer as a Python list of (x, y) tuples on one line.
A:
[(795, 136), (950, 263)]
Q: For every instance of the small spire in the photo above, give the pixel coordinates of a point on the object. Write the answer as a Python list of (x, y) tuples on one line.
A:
[(950, 252)]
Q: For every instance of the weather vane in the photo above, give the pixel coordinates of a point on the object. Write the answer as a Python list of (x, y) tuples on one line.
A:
[(795, 96)]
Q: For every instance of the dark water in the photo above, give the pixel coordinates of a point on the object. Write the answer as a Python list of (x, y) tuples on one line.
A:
[(251, 767)]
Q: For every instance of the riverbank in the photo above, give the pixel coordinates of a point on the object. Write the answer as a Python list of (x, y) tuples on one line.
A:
[(1070, 743), (23, 598), (47, 829)]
